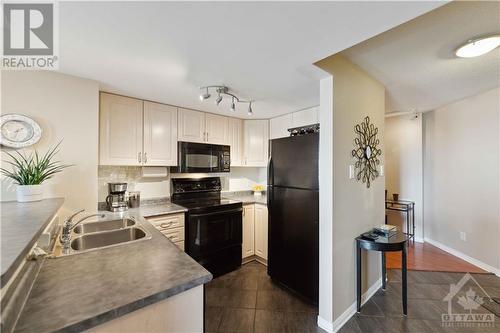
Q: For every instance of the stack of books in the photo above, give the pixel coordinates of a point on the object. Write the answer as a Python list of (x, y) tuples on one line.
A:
[(386, 230)]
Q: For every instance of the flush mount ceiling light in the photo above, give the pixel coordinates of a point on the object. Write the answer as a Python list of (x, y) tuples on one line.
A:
[(224, 91), (478, 47)]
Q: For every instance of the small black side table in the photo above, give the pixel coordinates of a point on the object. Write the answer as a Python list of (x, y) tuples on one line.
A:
[(406, 207), (397, 242)]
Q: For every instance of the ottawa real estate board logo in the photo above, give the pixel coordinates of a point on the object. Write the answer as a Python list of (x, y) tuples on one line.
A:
[(30, 32), (469, 305)]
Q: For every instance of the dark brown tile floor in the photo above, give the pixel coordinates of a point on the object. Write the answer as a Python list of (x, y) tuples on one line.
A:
[(426, 290), (246, 300)]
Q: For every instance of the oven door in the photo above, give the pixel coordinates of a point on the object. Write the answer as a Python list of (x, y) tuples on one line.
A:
[(202, 158), (208, 233)]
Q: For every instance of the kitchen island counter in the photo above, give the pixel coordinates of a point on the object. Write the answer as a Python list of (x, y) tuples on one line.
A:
[(77, 292)]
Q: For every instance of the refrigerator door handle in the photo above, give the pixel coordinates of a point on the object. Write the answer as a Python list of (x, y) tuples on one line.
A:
[(270, 171)]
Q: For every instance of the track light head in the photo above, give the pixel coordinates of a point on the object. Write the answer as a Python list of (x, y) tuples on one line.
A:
[(205, 96), (233, 106), (250, 111), (218, 100)]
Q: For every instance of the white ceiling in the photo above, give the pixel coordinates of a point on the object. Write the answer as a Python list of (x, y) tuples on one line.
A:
[(416, 62), (163, 51)]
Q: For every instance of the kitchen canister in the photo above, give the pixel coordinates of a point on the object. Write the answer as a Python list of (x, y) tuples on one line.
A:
[(134, 199)]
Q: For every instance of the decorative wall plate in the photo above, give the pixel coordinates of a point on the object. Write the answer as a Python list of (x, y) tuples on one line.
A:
[(366, 152), (18, 131)]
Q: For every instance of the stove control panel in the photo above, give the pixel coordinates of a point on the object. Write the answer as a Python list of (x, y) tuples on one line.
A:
[(196, 185)]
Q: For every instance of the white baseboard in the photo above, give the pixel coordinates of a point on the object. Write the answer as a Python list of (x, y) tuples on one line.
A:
[(349, 312), (418, 239), (463, 256)]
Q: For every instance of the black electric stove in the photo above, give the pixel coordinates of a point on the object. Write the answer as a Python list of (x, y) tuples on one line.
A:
[(213, 228)]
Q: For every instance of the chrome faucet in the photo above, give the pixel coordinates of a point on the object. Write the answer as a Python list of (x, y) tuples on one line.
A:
[(68, 226)]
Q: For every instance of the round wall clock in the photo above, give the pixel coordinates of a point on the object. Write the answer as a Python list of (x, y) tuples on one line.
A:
[(366, 152), (18, 131)]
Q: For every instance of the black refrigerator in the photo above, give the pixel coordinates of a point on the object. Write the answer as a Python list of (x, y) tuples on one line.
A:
[(293, 204)]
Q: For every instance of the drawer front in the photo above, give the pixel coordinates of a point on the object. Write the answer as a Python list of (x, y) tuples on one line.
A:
[(175, 235), (166, 222), (180, 245)]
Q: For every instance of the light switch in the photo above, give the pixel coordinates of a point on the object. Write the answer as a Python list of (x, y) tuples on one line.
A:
[(351, 171), (382, 170)]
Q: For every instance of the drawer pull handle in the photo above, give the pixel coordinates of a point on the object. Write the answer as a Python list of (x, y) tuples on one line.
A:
[(166, 225)]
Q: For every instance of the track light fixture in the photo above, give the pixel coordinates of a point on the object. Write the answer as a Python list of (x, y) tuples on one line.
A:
[(221, 91)]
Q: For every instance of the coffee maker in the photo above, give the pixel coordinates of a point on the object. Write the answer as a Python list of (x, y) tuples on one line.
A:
[(116, 200)]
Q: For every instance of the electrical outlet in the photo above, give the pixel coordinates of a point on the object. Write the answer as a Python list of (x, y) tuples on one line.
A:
[(463, 236), (382, 171)]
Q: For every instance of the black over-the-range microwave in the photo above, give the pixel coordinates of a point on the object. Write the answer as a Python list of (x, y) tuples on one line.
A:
[(202, 158)]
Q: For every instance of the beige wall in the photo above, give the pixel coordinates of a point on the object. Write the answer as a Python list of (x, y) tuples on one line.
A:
[(66, 107), (356, 209), (403, 167), (461, 176)]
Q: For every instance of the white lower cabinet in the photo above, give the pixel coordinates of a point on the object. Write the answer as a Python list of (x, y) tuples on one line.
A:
[(254, 231), (248, 248), (171, 226), (261, 231)]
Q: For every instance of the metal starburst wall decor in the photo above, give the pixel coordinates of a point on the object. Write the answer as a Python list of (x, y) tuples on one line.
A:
[(366, 152)]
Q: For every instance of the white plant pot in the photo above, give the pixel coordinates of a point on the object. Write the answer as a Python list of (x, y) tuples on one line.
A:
[(27, 193), (257, 193)]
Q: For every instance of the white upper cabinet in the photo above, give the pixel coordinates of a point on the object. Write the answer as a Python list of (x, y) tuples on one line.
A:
[(278, 127), (236, 141), (191, 127), (305, 117), (160, 134), (256, 142), (120, 130), (261, 228), (134, 132), (217, 129), (196, 126)]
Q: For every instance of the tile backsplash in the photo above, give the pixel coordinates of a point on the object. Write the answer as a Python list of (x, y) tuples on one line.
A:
[(239, 179)]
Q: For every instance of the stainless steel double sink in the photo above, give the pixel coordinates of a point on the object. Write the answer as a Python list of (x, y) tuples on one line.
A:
[(102, 234)]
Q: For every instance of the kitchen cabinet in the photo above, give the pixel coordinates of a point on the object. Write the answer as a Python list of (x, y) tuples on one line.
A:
[(171, 226), (236, 141), (191, 127), (305, 117), (196, 126), (278, 127), (160, 134), (217, 128), (135, 132), (256, 142), (120, 130), (255, 219), (261, 221), (248, 245)]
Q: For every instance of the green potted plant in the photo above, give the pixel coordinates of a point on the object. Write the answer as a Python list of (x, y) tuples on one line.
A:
[(30, 171)]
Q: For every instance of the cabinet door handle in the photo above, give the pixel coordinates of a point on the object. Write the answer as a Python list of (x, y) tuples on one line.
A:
[(166, 225), (139, 157), (145, 158)]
